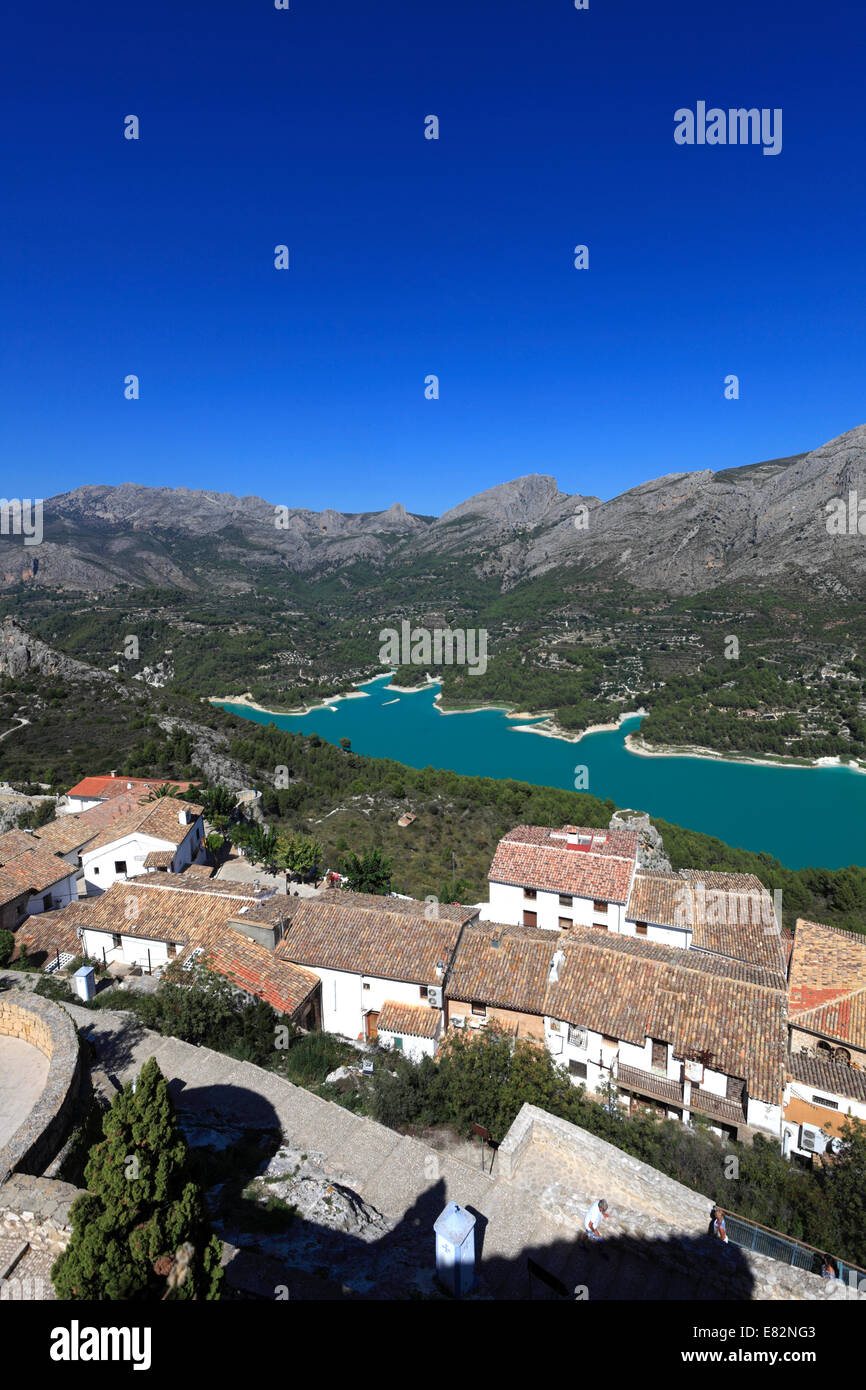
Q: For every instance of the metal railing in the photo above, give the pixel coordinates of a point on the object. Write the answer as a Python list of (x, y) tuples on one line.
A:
[(765, 1241)]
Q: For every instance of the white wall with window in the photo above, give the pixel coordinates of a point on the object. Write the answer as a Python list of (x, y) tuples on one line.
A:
[(124, 858)]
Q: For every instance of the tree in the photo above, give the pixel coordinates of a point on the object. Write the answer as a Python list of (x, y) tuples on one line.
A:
[(300, 855), (218, 803), (140, 1209), (164, 789), (7, 946), (369, 873)]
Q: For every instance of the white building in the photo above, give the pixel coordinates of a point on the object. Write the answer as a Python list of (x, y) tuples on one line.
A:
[(171, 830), (32, 880), (557, 879), (673, 1030), (372, 961)]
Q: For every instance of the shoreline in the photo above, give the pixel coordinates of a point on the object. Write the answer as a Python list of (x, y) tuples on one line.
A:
[(249, 703), (634, 744), (546, 727)]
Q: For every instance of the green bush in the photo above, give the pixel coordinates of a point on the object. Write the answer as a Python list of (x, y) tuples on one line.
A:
[(7, 946)]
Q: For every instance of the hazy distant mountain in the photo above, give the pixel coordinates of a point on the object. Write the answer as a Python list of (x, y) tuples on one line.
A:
[(682, 533)]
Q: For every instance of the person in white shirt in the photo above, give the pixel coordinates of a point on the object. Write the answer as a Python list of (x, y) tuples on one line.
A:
[(594, 1217)]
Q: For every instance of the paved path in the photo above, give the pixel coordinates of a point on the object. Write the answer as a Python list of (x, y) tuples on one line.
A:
[(23, 1073), (404, 1179)]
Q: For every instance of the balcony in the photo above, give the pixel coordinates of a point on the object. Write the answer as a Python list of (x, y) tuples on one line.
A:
[(651, 1083), (720, 1108)]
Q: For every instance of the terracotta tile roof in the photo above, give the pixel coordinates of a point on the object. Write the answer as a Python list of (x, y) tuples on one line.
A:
[(364, 940), (92, 787), (411, 907), (728, 914), (14, 842), (201, 872), (148, 907), (158, 819), (414, 1020), (46, 933), (31, 870), (561, 871), (831, 1077), (621, 844), (827, 982), (159, 858), (194, 920), (254, 968), (631, 989), (68, 833)]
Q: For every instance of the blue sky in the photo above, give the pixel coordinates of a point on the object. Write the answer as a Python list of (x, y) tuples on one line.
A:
[(411, 257)]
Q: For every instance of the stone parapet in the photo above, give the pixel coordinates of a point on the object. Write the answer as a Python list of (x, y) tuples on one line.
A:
[(48, 1027)]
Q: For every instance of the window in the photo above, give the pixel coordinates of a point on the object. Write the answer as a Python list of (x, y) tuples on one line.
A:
[(659, 1055), (423, 991), (564, 923), (608, 1042), (826, 1101), (599, 907), (479, 1010), (641, 928), (530, 919), (602, 926), (116, 940), (530, 893), (46, 903), (365, 985), (120, 866), (566, 900), (96, 871), (398, 1043), (172, 950), (578, 1069)]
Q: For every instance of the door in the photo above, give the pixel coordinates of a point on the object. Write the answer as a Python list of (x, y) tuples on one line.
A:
[(530, 919), (659, 1056), (371, 1021)]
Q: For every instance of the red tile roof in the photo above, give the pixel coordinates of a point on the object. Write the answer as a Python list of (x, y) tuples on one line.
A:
[(30, 870), (363, 940), (158, 819), (728, 914), (632, 989), (98, 787), (827, 983), (560, 871), (412, 1020)]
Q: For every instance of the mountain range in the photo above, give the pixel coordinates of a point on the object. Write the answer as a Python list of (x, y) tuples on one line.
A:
[(681, 534)]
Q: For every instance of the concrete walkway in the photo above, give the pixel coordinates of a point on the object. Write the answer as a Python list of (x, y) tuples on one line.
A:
[(23, 1073), (537, 1213)]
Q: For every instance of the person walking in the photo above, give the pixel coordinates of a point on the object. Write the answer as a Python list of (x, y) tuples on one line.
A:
[(597, 1213), (719, 1228)]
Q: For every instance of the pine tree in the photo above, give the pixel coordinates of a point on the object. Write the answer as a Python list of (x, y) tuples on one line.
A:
[(140, 1209)]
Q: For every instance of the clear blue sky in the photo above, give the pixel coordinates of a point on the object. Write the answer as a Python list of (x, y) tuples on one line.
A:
[(411, 256)]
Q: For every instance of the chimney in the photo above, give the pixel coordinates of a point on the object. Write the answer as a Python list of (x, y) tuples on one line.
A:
[(264, 933), (113, 772), (183, 816)]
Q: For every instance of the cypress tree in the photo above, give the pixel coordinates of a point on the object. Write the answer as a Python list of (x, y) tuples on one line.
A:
[(141, 1231)]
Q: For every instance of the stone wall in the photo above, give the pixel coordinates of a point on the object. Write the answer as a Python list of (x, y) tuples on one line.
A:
[(34, 1229), (49, 1027), (656, 1217)]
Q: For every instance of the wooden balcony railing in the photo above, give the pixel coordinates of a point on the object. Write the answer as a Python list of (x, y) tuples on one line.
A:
[(651, 1082)]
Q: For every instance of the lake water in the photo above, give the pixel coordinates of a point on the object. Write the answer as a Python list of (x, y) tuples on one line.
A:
[(800, 815)]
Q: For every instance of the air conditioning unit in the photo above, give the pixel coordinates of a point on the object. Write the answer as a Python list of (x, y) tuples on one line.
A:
[(812, 1139), (458, 1021), (434, 996)]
